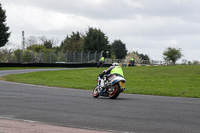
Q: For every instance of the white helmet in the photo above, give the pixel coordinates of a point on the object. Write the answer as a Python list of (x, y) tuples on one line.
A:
[(115, 64)]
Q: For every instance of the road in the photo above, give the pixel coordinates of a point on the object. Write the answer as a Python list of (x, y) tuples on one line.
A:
[(77, 108)]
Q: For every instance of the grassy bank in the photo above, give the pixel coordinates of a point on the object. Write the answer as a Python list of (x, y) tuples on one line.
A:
[(183, 81)]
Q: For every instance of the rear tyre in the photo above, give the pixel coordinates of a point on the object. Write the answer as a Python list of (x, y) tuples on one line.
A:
[(115, 93), (96, 93)]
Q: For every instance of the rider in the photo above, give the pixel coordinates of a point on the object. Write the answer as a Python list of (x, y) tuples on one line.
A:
[(132, 62), (101, 62), (114, 69)]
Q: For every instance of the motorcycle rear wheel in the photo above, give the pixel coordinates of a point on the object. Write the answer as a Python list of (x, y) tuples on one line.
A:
[(115, 93), (95, 93)]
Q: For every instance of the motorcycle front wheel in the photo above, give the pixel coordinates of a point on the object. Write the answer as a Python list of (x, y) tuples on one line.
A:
[(95, 93), (115, 92)]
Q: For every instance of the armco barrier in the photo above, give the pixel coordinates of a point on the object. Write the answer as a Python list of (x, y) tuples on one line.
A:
[(51, 65), (62, 65), (136, 65)]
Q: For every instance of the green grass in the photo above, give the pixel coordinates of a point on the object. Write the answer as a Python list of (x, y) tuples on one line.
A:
[(179, 81)]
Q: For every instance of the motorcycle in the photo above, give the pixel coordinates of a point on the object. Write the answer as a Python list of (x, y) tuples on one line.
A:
[(110, 86)]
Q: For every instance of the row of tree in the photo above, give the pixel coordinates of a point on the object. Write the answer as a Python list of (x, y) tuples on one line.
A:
[(94, 41)]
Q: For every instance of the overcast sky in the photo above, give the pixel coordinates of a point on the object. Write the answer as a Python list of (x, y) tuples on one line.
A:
[(146, 26)]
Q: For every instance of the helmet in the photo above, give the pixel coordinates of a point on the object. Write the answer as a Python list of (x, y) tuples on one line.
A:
[(115, 64)]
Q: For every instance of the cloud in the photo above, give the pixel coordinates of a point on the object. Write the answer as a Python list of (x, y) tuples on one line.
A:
[(148, 26), (97, 9)]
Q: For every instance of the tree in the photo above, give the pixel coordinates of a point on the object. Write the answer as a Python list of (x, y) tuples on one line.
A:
[(196, 62), (172, 54), (17, 55), (4, 53), (36, 43), (72, 43), (144, 57), (48, 43), (32, 40), (4, 34), (36, 48), (119, 49), (95, 40)]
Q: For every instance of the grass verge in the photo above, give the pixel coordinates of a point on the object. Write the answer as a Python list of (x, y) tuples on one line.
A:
[(179, 81)]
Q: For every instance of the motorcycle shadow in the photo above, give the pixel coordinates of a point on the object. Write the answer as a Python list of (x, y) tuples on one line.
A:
[(117, 99)]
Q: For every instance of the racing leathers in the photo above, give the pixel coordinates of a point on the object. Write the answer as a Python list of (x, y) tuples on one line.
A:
[(117, 70), (113, 70)]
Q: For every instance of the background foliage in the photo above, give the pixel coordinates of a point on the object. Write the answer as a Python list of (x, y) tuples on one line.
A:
[(4, 34), (172, 54)]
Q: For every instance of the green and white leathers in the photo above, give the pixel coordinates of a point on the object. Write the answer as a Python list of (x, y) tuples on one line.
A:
[(117, 70)]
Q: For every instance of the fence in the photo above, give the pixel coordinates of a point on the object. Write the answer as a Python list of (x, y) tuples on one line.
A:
[(75, 57), (149, 62), (48, 57)]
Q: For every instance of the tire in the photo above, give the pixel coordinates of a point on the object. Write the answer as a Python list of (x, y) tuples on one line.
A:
[(95, 93), (115, 93)]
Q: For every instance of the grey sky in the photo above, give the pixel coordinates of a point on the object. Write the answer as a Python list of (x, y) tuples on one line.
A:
[(146, 26)]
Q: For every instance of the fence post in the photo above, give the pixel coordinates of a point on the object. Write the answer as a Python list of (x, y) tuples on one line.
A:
[(9, 55), (58, 57), (95, 57), (50, 57), (82, 57), (41, 57), (66, 56), (74, 56), (20, 56), (89, 56), (32, 56), (101, 55)]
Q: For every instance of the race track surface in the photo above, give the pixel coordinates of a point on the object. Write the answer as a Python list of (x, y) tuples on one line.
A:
[(77, 108)]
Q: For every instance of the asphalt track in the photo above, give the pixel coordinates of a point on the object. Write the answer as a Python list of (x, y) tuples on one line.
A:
[(77, 108)]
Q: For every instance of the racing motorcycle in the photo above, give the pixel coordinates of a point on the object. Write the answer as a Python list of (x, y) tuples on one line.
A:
[(110, 86)]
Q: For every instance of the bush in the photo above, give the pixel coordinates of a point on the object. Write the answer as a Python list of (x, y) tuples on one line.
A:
[(17, 55), (4, 54), (49, 56), (27, 56)]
